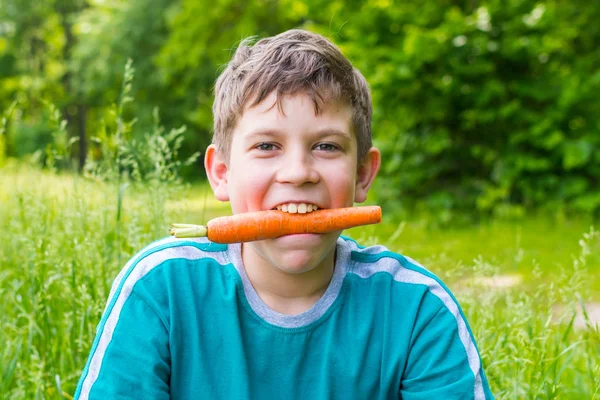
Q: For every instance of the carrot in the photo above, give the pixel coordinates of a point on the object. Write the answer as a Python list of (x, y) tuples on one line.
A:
[(260, 225)]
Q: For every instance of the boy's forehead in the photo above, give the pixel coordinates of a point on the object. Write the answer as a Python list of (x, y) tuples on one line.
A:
[(274, 106), (294, 118)]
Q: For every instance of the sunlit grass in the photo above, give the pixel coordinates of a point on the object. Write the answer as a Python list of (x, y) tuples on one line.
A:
[(63, 242), (513, 248)]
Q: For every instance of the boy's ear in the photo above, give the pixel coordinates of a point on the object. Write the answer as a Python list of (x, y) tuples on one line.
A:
[(216, 171), (367, 170)]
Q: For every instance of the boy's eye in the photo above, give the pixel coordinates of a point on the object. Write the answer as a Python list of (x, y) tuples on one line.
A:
[(265, 146), (326, 147)]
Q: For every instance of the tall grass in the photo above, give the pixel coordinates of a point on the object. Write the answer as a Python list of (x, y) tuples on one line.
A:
[(66, 235), (531, 345), (60, 251)]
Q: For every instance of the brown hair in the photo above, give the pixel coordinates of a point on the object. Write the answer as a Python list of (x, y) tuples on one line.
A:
[(295, 61)]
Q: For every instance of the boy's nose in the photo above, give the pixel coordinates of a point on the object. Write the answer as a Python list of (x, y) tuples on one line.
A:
[(297, 170)]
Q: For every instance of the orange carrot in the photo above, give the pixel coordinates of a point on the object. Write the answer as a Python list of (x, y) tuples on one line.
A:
[(261, 225)]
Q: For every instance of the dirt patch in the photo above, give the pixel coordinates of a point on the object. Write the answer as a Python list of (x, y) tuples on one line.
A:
[(592, 309), (499, 281), (490, 282), (502, 282), (593, 313)]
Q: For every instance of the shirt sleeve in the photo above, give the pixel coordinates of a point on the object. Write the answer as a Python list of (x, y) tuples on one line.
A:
[(443, 360), (130, 356)]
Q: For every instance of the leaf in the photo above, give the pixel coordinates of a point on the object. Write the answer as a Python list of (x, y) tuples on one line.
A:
[(576, 154), (588, 202)]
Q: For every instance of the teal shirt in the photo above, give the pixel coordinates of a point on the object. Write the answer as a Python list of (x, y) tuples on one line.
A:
[(184, 322)]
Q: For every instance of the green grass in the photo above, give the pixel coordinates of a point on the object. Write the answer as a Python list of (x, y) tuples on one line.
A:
[(63, 242)]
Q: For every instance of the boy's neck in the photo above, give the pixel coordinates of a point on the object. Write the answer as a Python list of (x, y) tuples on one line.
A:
[(284, 292)]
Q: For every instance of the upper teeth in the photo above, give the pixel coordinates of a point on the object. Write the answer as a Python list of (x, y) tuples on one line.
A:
[(301, 208)]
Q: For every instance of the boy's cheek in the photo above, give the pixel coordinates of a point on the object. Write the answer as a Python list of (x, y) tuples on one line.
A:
[(343, 192), (247, 194)]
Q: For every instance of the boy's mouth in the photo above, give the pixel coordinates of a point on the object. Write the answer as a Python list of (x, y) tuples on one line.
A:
[(299, 208)]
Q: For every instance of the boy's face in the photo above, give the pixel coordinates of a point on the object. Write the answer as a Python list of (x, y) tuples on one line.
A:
[(292, 157)]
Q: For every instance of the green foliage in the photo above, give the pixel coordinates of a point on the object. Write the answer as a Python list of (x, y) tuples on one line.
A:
[(2, 149), (58, 151), (109, 35), (3, 132), (120, 156), (487, 107)]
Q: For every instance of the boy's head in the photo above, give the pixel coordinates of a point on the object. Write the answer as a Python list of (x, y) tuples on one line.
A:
[(293, 62), (292, 132)]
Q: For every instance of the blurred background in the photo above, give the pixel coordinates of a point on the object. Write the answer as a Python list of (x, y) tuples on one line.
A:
[(487, 114), (489, 107)]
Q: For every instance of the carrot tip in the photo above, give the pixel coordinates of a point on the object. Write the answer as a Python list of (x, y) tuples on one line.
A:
[(188, 231), (182, 226)]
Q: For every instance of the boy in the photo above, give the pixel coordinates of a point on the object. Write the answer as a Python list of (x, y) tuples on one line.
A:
[(301, 316)]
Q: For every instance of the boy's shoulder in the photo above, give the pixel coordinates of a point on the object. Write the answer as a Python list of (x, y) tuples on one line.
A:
[(172, 248), (164, 254), (411, 278), (369, 260)]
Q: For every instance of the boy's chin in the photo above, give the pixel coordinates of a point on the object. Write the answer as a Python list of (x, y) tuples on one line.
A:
[(312, 244), (297, 266), (295, 255)]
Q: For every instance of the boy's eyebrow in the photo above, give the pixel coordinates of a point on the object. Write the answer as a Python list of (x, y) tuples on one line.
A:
[(275, 132), (262, 132), (328, 131)]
